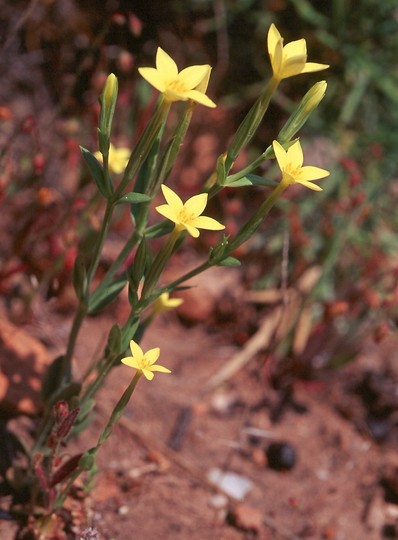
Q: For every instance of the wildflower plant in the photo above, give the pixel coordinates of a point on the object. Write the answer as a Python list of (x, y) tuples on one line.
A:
[(139, 178)]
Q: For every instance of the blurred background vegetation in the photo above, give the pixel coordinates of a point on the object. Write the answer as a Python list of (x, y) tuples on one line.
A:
[(55, 57)]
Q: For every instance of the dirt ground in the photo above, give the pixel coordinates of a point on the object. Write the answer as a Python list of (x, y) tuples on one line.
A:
[(339, 482)]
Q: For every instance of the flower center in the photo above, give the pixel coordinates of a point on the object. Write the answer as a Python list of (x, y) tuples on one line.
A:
[(177, 86), (145, 364), (186, 217)]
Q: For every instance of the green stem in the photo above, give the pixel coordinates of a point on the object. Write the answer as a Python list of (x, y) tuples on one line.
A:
[(118, 411), (250, 123), (143, 146), (255, 221), (249, 168), (108, 364), (67, 359), (115, 266), (100, 242), (194, 272), (159, 263)]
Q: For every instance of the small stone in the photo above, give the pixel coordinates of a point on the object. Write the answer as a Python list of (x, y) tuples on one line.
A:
[(123, 510), (281, 456), (233, 484), (246, 518)]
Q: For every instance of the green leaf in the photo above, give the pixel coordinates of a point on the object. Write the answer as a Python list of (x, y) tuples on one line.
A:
[(99, 301), (134, 198), (79, 278), (87, 461), (220, 169), (251, 180), (96, 172), (160, 229), (52, 378), (115, 339), (229, 261)]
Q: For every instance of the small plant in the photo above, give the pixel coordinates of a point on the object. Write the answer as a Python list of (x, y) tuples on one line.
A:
[(138, 178)]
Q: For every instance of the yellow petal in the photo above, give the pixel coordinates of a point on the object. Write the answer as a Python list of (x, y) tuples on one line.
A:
[(136, 350), (309, 173), (161, 369), (204, 222), (312, 66), (310, 185), (191, 76), (295, 155), (172, 198), (152, 355), (166, 65), (296, 49), (191, 230), (130, 361), (196, 204), (275, 49), (154, 78), (280, 155), (148, 374), (168, 212), (292, 67), (204, 83), (197, 96), (273, 40)]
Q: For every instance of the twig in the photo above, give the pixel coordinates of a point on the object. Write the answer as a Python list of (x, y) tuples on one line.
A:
[(261, 339)]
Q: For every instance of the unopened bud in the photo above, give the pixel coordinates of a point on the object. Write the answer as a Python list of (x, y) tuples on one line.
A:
[(108, 103), (309, 102)]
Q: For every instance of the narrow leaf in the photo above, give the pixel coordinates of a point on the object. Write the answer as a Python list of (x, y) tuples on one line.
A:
[(96, 172), (98, 302), (134, 198), (229, 261)]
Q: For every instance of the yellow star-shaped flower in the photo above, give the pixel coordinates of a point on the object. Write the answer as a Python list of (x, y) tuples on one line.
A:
[(144, 362), (291, 164), (290, 59), (164, 303), (190, 83), (118, 158), (187, 216)]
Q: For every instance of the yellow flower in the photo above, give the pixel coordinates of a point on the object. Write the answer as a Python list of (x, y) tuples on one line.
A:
[(118, 158), (291, 165), (290, 59), (164, 303), (190, 83), (187, 216), (144, 362)]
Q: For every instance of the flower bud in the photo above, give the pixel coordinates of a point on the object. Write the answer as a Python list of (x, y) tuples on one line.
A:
[(309, 102), (108, 103)]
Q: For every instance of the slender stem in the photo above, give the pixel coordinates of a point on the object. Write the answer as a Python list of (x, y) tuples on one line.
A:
[(194, 272), (76, 325), (143, 146), (254, 222), (115, 266), (250, 123), (159, 263), (249, 168), (118, 411), (100, 242)]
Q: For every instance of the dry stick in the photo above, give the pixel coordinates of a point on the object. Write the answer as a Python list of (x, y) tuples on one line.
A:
[(261, 339), (280, 316)]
